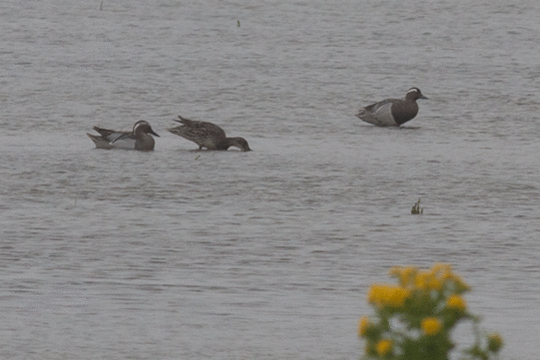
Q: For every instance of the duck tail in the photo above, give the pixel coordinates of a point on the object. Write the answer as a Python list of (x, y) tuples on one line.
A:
[(184, 120)]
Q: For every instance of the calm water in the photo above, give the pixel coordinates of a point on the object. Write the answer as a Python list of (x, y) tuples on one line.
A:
[(183, 254)]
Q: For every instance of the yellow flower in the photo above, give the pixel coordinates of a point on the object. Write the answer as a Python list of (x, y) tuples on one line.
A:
[(448, 276), (441, 268), (439, 276), (431, 326), (404, 274), (381, 295), (384, 347), (495, 342), (456, 302), (363, 325), (427, 281), (397, 297)]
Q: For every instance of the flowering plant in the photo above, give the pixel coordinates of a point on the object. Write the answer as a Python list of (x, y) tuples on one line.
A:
[(413, 319)]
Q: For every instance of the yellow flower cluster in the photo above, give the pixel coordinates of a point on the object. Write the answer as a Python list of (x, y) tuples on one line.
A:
[(384, 347), (439, 276), (363, 325), (424, 301), (385, 295), (431, 326), (456, 302)]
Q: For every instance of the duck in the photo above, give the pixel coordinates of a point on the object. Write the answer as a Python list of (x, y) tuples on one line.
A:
[(137, 139), (207, 135), (393, 112)]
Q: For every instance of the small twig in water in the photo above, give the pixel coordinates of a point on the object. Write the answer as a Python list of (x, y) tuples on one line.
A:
[(416, 210)]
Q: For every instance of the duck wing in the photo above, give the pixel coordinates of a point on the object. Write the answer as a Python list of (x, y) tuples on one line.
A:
[(202, 133), (120, 137), (379, 114)]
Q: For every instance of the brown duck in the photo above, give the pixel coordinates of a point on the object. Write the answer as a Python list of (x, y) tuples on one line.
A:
[(207, 135)]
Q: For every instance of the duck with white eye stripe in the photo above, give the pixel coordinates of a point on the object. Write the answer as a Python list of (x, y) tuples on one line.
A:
[(393, 112), (137, 139)]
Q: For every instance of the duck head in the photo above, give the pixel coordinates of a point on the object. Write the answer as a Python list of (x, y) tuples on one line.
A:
[(143, 127), (414, 94)]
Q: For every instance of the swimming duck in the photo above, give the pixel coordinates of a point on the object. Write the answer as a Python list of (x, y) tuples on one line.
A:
[(207, 135), (137, 139), (393, 112)]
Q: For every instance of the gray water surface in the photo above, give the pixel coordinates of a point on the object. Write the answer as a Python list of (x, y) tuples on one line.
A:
[(185, 254)]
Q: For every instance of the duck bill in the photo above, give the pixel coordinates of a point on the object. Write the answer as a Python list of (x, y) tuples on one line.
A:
[(423, 97), (153, 133)]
